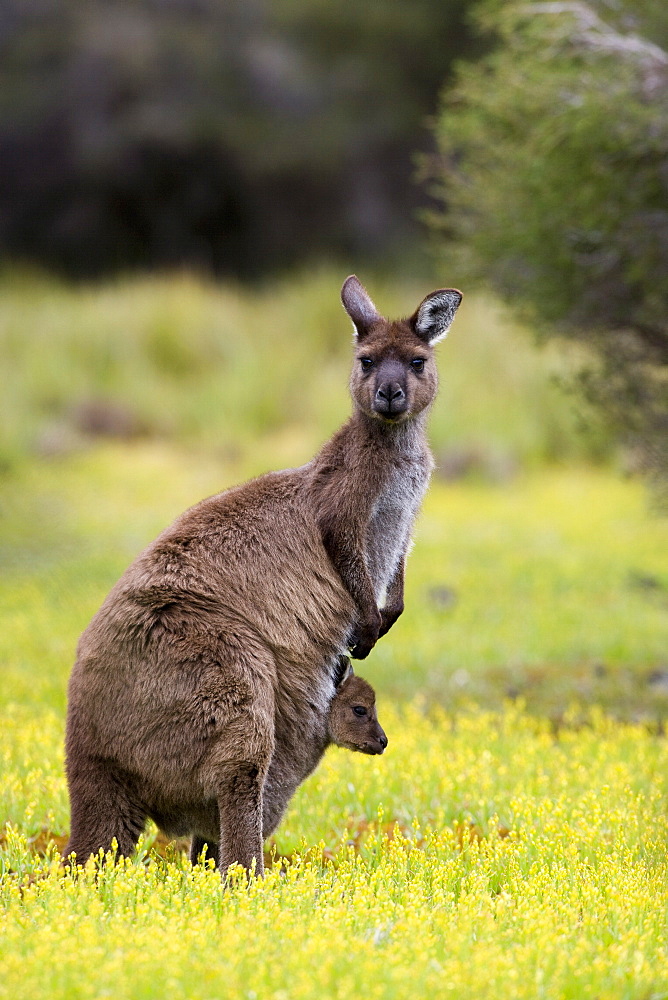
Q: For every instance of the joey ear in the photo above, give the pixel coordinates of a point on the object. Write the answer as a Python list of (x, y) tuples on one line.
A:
[(346, 677), (343, 670), (358, 305), (435, 314)]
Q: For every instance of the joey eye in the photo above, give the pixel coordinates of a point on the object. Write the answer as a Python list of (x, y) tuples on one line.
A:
[(417, 364), (366, 363), (359, 710)]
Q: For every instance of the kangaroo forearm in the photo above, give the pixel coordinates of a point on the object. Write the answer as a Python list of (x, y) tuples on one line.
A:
[(394, 600), (344, 546), (349, 564), (394, 596)]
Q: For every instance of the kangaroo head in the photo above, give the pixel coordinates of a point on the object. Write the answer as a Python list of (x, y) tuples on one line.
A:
[(353, 722), (394, 376)]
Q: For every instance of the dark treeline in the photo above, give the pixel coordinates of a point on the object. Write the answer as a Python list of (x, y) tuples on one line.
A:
[(235, 137)]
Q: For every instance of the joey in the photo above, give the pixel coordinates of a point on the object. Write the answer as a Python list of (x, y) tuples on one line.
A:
[(353, 722)]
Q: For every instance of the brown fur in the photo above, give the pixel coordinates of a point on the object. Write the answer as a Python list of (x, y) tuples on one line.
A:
[(352, 723), (201, 692)]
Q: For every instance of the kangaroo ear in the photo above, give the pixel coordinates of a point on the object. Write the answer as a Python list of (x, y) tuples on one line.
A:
[(435, 314), (358, 305)]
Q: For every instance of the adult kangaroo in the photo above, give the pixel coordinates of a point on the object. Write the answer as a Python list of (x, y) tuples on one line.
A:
[(202, 686)]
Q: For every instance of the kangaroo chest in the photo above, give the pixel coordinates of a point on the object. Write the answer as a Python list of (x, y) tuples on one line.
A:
[(392, 518)]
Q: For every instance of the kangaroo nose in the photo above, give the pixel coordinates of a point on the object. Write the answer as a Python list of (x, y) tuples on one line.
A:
[(383, 740), (390, 392), (390, 399)]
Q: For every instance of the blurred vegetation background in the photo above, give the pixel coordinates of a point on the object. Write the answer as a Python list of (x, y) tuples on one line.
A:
[(245, 140), (235, 138), (184, 184)]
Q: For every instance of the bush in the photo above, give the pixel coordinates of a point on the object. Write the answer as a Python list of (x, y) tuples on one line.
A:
[(553, 170)]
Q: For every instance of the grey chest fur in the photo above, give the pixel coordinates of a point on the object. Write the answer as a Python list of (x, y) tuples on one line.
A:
[(392, 519)]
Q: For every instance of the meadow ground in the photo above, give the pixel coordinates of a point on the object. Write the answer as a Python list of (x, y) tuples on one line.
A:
[(512, 840)]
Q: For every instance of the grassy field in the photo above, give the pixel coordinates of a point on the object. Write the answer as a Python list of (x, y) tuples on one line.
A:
[(537, 868), (553, 587), (221, 367), (512, 840)]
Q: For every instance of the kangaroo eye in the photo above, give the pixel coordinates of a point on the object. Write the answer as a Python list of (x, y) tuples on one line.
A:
[(417, 364), (359, 710), (367, 364)]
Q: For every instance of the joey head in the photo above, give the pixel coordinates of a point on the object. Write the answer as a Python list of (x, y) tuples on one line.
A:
[(202, 688), (353, 722)]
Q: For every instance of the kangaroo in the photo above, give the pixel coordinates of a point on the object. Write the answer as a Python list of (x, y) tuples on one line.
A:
[(352, 723), (201, 690)]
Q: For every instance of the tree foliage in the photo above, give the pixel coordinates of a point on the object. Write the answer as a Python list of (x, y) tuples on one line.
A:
[(553, 167)]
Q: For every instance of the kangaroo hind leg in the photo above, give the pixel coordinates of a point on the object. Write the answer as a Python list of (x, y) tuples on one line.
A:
[(236, 766), (240, 805), (197, 845), (103, 810)]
